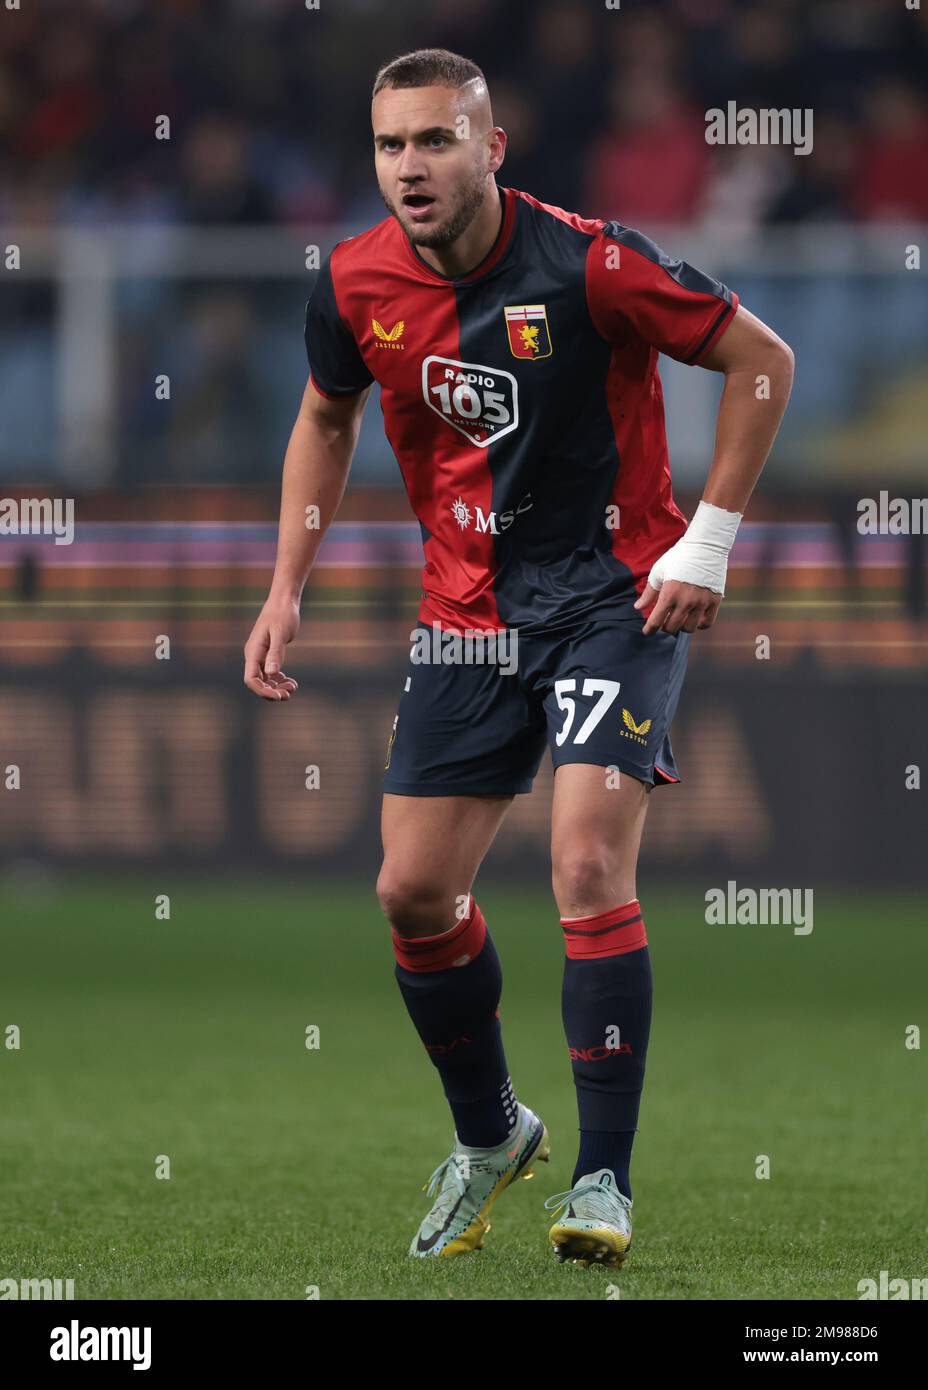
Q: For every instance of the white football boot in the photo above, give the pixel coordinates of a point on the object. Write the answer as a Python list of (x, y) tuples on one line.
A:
[(469, 1182), (596, 1227)]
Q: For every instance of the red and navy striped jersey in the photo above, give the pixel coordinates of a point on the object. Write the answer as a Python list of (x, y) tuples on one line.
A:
[(523, 404)]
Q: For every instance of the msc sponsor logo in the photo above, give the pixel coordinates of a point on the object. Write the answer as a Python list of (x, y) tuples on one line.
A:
[(389, 340), (633, 730), (492, 522), (482, 403)]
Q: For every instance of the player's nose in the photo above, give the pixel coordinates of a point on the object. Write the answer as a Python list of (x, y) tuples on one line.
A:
[(411, 167)]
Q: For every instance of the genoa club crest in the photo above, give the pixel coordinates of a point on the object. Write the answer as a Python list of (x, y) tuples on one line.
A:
[(527, 326)]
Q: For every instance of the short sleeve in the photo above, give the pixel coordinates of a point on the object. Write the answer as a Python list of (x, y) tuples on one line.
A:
[(634, 289), (335, 362)]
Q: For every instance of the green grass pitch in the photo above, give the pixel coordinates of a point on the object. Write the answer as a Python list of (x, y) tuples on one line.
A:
[(294, 1168)]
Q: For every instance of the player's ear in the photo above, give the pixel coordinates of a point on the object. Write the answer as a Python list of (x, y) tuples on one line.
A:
[(497, 147)]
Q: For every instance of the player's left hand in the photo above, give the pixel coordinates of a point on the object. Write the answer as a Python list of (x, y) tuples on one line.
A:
[(679, 607)]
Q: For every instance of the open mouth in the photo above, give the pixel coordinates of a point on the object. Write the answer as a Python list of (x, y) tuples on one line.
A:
[(417, 202)]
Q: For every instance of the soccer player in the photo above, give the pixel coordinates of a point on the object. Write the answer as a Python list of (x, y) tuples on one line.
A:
[(516, 349)]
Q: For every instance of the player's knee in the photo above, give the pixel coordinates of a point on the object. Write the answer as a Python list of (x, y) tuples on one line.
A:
[(412, 906), (583, 875)]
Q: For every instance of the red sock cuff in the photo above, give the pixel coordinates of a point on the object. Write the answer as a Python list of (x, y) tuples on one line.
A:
[(609, 933), (458, 946)]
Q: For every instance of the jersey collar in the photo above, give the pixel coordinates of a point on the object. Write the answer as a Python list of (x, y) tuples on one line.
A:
[(492, 258)]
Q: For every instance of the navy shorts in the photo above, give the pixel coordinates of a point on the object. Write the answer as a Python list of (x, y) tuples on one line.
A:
[(598, 692)]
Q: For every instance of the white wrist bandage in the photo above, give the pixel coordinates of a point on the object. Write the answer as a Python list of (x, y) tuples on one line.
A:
[(700, 556)]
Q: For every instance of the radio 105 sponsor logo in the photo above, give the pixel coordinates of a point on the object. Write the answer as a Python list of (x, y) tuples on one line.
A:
[(482, 403)]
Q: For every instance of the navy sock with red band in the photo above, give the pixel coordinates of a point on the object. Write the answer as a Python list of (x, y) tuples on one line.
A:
[(606, 1007), (451, 984)]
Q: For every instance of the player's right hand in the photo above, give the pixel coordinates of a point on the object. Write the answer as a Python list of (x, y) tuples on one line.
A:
[(278, 624)]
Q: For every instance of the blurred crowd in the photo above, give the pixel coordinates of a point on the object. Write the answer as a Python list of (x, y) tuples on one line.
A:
[(605, 107)]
